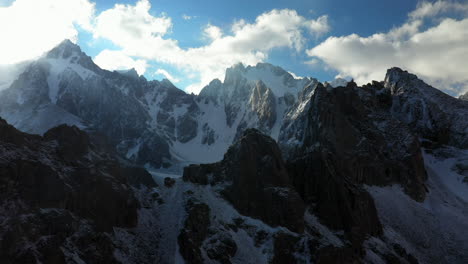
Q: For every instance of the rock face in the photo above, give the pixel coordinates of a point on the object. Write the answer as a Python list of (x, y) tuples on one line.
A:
[(260, 184), (339, 203), (194, 232), (62, 196), (429, 112), (464, 97)]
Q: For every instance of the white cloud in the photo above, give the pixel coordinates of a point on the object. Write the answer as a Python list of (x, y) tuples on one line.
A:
[(319, 26), (213, 32), (428, 9), (117, 60), (142, 35), (187, 17), (437, 54), (28, 28), (127, 23), (167, 75)]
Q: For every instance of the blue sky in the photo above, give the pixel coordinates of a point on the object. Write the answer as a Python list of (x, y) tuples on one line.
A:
[(192, 42)]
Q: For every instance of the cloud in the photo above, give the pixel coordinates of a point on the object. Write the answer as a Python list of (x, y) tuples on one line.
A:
[(127, 23), (117, 60), (213, 32), (438, 54), (187, 17), (28, 28), (319, 26), (428, 9), (167, 75), (140, 34)]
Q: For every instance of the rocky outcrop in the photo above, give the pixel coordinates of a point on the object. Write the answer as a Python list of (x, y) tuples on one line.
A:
[(61, 197), (259, 186), (70, 150), (338, 202), (138, 177), (349, 138), (194, 232), (429, 112), (263, 103), (353, 126)]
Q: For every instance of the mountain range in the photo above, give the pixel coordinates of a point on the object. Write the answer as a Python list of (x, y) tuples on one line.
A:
[(105, 166)]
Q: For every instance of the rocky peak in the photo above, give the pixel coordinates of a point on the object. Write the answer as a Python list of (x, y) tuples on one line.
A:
[(212, 90), (132, 73), (234, 74), (263, 102), (71, 53), (396, 77), (65, 50), (269, 67), (429, 112), (338, 82)]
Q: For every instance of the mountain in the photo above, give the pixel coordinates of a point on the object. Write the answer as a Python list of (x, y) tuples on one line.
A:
[(262, 167), (152, 123)]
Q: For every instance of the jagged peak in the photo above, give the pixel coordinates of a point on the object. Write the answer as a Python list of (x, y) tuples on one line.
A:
[(395, 75), (215, 82), (168, 83), (129, 73), (338, 82), (64, 50)]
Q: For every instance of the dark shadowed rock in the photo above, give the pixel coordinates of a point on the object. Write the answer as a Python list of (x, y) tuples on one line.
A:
[(285, 248), (366, 143), (83, 201), (260, 185), (137, 176), (169, 182), (187, 128), (339, 203), (221, 248), (73, 142), (194, 232)]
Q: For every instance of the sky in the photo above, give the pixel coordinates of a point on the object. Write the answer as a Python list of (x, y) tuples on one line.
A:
[(193, 42)]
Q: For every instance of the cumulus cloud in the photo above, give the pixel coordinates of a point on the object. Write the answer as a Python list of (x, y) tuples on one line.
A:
[(437, 54), (28, 28), (167, 75), (143, 35), (118, 60), (127, 23), (430, 9), (212, 32)]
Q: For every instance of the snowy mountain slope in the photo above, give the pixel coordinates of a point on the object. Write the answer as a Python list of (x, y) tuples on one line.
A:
[(444, 212), (152, 123)]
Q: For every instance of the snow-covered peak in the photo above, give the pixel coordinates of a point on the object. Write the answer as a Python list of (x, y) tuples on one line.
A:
[(65, 50), (274, 77)]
